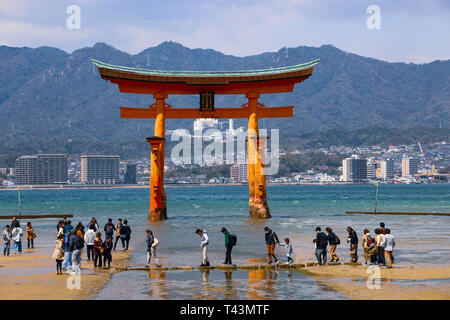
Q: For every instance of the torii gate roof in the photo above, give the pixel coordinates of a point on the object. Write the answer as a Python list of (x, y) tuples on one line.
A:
[(274, 80)]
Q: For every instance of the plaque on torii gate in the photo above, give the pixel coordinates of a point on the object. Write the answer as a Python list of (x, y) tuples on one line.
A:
[(251, 83)]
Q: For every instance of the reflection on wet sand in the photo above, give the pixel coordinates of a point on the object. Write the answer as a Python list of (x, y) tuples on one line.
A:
[(261, 284), (228, 284), (205, 285), (158, 288)]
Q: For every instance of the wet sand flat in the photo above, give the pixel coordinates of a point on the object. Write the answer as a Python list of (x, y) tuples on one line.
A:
[(398, 283), (32, 276), (390, 291)]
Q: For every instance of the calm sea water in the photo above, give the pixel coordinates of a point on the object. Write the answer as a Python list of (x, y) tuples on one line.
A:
[(296, 211)]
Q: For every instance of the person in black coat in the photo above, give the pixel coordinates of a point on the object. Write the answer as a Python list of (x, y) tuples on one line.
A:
[(353, 241), (125, 234), (321, 242), (333, 240)]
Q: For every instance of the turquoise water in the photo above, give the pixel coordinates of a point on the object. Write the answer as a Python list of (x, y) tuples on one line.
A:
[(296, 211)]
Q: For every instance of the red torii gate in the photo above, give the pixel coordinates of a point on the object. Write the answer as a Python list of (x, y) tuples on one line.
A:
[(252, 83)]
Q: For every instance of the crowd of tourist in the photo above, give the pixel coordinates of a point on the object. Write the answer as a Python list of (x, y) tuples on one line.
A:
[(71, 240), (376, 250), (15, 233)]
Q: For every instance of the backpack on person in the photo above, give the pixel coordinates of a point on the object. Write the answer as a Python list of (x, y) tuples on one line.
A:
[(109, 229), (370, 242), (233, 240), (155, 243), (338, 241)]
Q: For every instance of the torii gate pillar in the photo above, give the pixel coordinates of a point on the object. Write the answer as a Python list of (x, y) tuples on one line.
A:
[(258, 207), (158, 207)]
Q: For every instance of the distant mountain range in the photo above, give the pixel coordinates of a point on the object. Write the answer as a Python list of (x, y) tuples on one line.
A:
[(52, 101)]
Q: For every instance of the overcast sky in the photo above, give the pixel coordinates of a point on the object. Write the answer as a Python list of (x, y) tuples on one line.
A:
[(411, 30)]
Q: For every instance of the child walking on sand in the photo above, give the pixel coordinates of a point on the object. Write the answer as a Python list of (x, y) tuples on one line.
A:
[(58, 253), (107, 257), (289, 252), (6, 240)]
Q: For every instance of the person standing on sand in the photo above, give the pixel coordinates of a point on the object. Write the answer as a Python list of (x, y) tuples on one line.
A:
[(230, 241), (58, 253), (80, 228), (30, 236), (117, 233), (67, 263), (379, 246), (60, 228), (6, 235), (109, 229), (67, 254), (67, 228), (75, 247), (334, 241), (98, 250), (89, 238), (204, 243), (15, 223), (289, 252), (271, 239), (321, 242), (383, 229), (366, 246), (93, 223), (16, 235), (125, 234), (388, 244), (353, 241), (61, 223)]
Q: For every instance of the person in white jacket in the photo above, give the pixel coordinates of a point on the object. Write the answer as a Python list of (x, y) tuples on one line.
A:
[(89, 238), (388, 243), (16, 235), (204, 244)]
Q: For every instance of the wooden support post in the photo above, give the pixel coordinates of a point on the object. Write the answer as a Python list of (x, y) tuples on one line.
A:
[(158, 207), (258, 207)]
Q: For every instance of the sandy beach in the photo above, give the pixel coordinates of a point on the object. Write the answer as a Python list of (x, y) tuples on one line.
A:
[(32, 276), (402, 282)]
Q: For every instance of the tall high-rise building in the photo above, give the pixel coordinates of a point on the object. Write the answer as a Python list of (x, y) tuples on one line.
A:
[(354, 169), (371, 169), (238, 172), (410, 166), (100, 169), (130, 174), (387, 169), (41, 169)]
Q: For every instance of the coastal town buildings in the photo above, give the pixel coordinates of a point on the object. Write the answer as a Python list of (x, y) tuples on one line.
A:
[(387, 169), (41, 169), (354, 169), (130, 174), (238, 172), (100, 169), (409, 166)]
